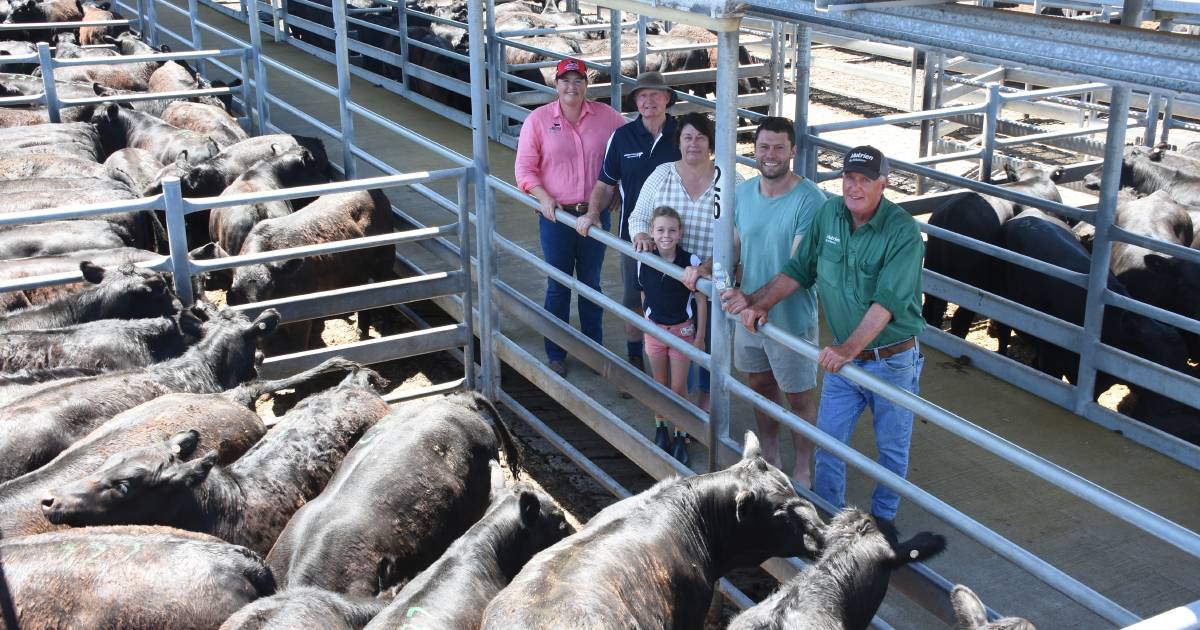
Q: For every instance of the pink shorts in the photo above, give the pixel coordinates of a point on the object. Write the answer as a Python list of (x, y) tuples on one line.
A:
[(685, 331)]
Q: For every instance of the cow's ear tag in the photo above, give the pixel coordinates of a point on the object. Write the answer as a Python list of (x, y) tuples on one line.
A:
[(913, 554), (175, 449)]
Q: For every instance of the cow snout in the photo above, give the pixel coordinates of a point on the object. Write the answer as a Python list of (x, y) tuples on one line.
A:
[(52, 509)]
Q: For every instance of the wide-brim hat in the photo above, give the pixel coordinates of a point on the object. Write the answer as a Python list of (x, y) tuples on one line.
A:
[(651, 80)]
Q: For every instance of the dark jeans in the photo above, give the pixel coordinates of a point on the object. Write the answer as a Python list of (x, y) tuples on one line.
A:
[(582, 257)]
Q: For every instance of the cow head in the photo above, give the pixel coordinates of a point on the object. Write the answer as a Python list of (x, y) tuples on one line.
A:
[(141, 486), (970, 613), (255, 283), (770, 519), (128, 292), (204, 180), (24, 11), (529, 521), (230, 345)]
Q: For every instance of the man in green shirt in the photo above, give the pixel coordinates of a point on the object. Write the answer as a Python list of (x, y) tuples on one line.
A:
[(863, 253)]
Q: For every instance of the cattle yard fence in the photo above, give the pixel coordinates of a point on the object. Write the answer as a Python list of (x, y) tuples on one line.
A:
[(478, 306)]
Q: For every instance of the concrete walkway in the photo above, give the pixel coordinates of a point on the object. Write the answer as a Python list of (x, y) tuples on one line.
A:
[(1137, 571)]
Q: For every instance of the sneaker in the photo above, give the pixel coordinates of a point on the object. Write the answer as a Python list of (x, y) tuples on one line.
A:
[(662, 437), (679, 450), (559, 367)]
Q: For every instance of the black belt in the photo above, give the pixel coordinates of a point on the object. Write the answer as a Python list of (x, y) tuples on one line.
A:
[(886, 351), (576, 209)]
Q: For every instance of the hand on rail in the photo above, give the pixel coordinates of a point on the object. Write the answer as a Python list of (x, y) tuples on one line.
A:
[(832, 358), (548, 206), (753, 317), (691, 277), (585, 222), (642, 242), (733, 301)]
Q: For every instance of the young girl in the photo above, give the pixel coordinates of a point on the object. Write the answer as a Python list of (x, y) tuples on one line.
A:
[(675, 309)]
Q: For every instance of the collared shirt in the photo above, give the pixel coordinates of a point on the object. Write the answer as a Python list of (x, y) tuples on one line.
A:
[(879, 262), (664, 187), (667, 301), (768, 227), (631, 156), (562, 158)]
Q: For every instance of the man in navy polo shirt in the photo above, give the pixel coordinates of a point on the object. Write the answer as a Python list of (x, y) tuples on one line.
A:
[(634, 151)]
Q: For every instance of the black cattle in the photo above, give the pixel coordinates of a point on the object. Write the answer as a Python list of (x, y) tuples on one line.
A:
[(453, 592), (1147, 170), (40, 425), (65, 47), (845, 586), (138, 169), (247, 503), (143, 577), (125, 76), (60, 237), (305, 607), (1164, 281), (14, 385), (77, 139), (48, 166), (371, 529), (650, 561), (227, 422), (11, 48), (335, 217), (209, 178), (124, 293), (120, 127), (111, 344), (441, 64), (980, 217), (33, 11), (970, 613), (43, 265), (229, 226), (205, 119), (178, 76), (1044, 240)]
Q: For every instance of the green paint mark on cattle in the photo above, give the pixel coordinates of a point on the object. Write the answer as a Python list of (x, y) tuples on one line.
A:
[(99, 547), (134, 548)]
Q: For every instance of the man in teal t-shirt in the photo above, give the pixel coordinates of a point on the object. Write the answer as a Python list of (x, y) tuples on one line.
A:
[(863, 253), (772, 214)]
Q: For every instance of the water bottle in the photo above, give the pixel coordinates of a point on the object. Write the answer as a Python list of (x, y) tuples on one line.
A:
[(720, 280)]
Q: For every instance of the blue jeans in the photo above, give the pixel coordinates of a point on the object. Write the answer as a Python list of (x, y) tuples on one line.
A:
[(843, 401), (582, 257)]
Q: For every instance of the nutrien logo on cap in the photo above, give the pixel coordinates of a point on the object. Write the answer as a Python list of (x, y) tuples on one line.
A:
[(861, 157)]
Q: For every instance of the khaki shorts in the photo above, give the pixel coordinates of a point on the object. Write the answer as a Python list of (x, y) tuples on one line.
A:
[(753, 352)]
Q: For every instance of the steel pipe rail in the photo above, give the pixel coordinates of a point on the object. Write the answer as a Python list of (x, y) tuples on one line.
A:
[(197, 204), (39, 26), (893, 119), (168, 56), (1066, 275), (334, 247)]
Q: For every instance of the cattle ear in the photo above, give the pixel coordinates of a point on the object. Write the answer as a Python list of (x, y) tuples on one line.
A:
[(752, 449), (530, 507), (92, 272), (275, 150), (184, 442), (196, 471), (112, 109), (181, 159), (1160, 264), (968, 608), (208, 251), (385, 571), (266, 322), (744, 503)]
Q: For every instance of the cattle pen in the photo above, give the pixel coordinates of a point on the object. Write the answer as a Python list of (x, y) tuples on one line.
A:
[(1095, 512)]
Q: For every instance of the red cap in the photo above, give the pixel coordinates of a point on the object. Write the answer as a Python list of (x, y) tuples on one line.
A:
[(570, 64)]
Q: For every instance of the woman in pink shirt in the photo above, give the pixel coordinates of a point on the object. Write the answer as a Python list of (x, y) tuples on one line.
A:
[(558, 160)]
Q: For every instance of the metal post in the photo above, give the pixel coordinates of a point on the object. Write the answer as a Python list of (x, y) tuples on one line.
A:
[(1114, 153), (485, 216), (261, 119), (244, 65), (991, 119), (641, 60), (918, 58), (197, 40), (342, 56), (464, 244), (279, 19), (141, 17), (777, 62), (1167, 113), (1151, 133), (806, 154), (614, 68), (181, 269), (498, 87), (939, 93), (151, 31), (402, 29), (929, 62), (47, 64), (723, 204)]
